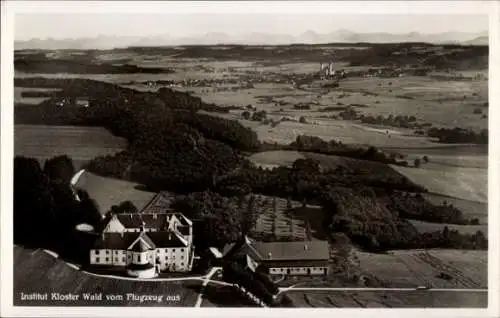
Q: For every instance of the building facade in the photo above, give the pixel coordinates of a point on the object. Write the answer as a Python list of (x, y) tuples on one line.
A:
[(300, 258), (146, 243)]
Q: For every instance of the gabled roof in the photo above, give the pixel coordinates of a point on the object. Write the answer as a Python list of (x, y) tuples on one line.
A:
[(279, 251), (115, 241), (293, 251), (167, 239), (142, 243)]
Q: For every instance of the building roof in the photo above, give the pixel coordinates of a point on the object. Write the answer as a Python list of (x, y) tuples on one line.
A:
[(126, 240), (279, 251), (142, 243), (293, 251)]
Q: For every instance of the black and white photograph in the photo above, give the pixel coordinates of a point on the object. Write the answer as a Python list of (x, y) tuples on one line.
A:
[(226, 155)]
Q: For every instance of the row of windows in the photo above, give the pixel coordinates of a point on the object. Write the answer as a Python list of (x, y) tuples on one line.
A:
[(173, 257), (283, 270), (97, 252), (98, 260)]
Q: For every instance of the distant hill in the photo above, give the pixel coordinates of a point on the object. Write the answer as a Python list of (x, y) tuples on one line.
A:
[(213, 38), (480, 40)]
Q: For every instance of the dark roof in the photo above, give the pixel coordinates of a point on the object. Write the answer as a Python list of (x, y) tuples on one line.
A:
[(306, 263), (150, 220), (115, 241), (293, 251), (279, 251), (122, 241), (166, 239)]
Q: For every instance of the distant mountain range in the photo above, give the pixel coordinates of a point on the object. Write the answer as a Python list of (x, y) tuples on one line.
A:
[(214, 38)]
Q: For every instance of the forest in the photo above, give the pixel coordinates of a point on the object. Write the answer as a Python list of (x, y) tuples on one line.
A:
[(172, 147)]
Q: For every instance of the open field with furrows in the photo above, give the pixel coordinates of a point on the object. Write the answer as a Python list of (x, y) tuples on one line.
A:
[(412, 268), (465, 183), (37, 272), (108, 191), (388, 299), (80, 143)]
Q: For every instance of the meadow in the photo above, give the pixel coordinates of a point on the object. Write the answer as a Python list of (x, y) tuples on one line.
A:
[(465, 183), (413, 268), (80, 143), (108, 191), (388, 299)]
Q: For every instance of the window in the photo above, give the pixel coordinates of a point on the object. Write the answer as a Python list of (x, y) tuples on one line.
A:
[(97, 260), (107, 259), (182, 256), (166, 258), (107, 252), (116, 259), (182, 264), (173, 250), (96, 252), (123, 259), (139, 258), (182, 250)]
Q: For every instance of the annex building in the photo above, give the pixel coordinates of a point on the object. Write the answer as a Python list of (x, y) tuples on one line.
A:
[(146, 243), (281, 258)]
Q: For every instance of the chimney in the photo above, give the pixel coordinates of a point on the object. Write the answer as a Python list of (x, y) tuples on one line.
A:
[(305, 247), (269, 255)]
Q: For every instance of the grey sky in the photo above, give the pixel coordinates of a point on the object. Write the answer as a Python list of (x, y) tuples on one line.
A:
[(57, 25)]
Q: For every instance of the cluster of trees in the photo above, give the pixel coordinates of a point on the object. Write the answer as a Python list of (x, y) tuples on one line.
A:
[(171, 146), (123, 207), (46, 210), (332, 147), (369, 223), (459, 135), (416, 207), (41, 64), (453, 239), (391, 120), (217, 219), (256, 283)]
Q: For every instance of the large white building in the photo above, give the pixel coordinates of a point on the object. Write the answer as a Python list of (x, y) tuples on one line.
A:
[(146, 243)]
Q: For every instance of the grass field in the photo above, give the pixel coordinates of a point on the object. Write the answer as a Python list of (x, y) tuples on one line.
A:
[(412, 268), (79, 143), (470, 209), (108, 191), (388, 299), (36, 271), (458, 182), (271, 159)]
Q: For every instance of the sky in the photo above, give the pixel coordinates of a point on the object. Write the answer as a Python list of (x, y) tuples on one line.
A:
[(74, 25)]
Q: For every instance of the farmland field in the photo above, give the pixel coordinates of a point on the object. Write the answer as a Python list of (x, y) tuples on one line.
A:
[(465, 183), (80, 143), (412, 268), (388, 299), (108, 191)]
